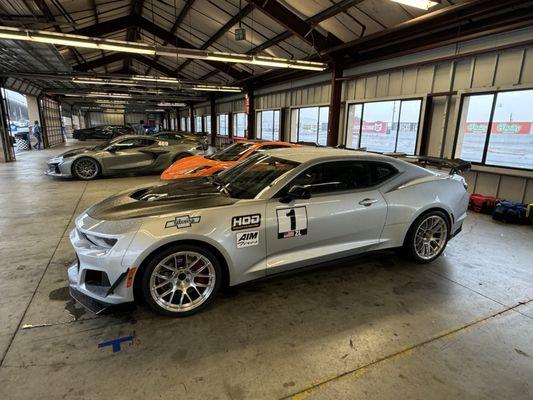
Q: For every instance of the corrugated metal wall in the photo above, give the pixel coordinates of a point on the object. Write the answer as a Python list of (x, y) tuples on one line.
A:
[(134, 118), (488, 71), (100, 118)]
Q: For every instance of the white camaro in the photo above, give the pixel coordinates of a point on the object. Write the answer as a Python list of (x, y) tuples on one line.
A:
[(175, 245)]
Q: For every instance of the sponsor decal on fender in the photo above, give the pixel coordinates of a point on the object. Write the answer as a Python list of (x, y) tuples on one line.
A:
[(245, 222), (247, 239), (184, 221)]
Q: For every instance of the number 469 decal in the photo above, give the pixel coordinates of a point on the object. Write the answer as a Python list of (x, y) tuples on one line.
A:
[(292, 222)]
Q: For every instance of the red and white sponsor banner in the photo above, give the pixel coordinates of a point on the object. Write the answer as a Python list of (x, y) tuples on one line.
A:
[(522, 128), (372, 127)]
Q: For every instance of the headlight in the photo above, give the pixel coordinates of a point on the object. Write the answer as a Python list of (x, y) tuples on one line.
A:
[(56, 160), (105, 243)]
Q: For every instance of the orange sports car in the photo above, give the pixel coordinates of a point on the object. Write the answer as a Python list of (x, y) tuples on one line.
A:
[(199, 165)]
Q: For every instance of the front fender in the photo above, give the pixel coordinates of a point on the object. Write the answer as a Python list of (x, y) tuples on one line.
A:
[(144, 244)]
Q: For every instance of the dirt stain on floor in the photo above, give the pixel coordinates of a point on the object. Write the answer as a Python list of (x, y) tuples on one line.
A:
[(62, 294)]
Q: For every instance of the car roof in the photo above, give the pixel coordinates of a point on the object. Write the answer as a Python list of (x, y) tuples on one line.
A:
[(305, 154), (136, 137), (259, 143)]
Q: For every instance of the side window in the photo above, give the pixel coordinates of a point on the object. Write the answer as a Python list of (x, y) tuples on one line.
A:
[(134, 143), (381, 172), (334, 177)]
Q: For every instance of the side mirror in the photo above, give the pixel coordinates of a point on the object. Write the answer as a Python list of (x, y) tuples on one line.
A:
[(294, 193)]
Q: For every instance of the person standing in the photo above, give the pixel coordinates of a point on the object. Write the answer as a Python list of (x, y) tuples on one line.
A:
[(37, 135)]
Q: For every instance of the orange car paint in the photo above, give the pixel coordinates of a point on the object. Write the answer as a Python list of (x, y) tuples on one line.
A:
[(185, 168)]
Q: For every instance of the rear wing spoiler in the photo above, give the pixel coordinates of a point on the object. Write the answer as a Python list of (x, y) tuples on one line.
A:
[(457, 165)]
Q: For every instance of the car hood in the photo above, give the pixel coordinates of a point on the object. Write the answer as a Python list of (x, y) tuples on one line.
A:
[(187, 195), (75, 152), (190, 163)]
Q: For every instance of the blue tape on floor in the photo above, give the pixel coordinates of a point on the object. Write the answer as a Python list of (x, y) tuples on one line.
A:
[(116, 343)]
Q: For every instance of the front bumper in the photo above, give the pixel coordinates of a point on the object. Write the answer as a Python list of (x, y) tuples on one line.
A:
[(59, 168), (98, 279)]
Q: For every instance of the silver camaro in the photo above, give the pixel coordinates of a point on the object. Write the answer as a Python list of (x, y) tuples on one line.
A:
[(175, 245), (125, 154)]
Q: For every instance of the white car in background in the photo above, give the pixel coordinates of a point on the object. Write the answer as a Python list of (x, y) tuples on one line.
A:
[(174, 245)]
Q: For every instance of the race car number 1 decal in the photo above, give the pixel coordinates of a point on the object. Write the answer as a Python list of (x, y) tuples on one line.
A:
[(292, 222)]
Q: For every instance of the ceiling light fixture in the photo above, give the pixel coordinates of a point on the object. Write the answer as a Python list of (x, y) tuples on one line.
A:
[(422, 4), (96, 81), (63, 39), (216, 88), (173, 81)]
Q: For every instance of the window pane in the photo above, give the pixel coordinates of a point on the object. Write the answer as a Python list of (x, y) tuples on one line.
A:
[(308, 125), (223, 124), (334, 176), (198, 124), (239, 124), (380, 126), (353, 129), (511, 135), (409, 121), (267, 123), (475, 118), (323, 127), (275, 132), (207, 123), (258, 123)]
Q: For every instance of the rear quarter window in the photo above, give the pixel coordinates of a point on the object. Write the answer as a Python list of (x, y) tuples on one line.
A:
[(381, 171)]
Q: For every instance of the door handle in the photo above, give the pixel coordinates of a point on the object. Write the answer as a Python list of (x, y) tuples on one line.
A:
[(368, 202)]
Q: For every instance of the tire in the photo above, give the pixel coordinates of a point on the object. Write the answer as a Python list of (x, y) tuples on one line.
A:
[(180, 156), (428, 236), (85, 168), (169, 283)]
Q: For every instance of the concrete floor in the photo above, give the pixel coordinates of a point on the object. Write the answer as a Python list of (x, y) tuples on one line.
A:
[(376, 327)]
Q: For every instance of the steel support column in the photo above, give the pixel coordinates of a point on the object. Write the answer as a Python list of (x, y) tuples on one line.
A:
[(191, 116), (213, 111), (7, 152), (250, 112), (230, 125), (335, 106)]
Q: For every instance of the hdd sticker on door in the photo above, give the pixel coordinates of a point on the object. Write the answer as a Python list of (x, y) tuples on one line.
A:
[(292, 222)]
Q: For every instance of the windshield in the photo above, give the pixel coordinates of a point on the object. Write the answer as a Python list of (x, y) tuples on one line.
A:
[(231, 153), (246, 179), (106, 144)]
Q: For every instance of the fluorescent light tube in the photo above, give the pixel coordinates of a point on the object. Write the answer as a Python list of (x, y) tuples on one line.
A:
[(422, 4), (141, 48)]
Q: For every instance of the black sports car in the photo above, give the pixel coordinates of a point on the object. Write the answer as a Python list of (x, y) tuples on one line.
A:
[(105, 132)]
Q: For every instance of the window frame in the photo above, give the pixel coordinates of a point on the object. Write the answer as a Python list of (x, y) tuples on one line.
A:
[(234, 117), (259, 122), (198, 125), (292, 109), (206, 120), (423, 104), (459, 111), (219, 125)]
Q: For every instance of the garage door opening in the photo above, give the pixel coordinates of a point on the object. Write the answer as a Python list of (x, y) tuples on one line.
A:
[(18, 120)]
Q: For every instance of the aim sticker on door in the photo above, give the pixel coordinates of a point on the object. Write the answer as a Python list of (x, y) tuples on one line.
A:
[(292, 222), (247, 239)]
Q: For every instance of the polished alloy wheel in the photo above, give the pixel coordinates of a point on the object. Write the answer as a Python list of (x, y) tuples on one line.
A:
[(182, 281), (430, 237), (86, 169)]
